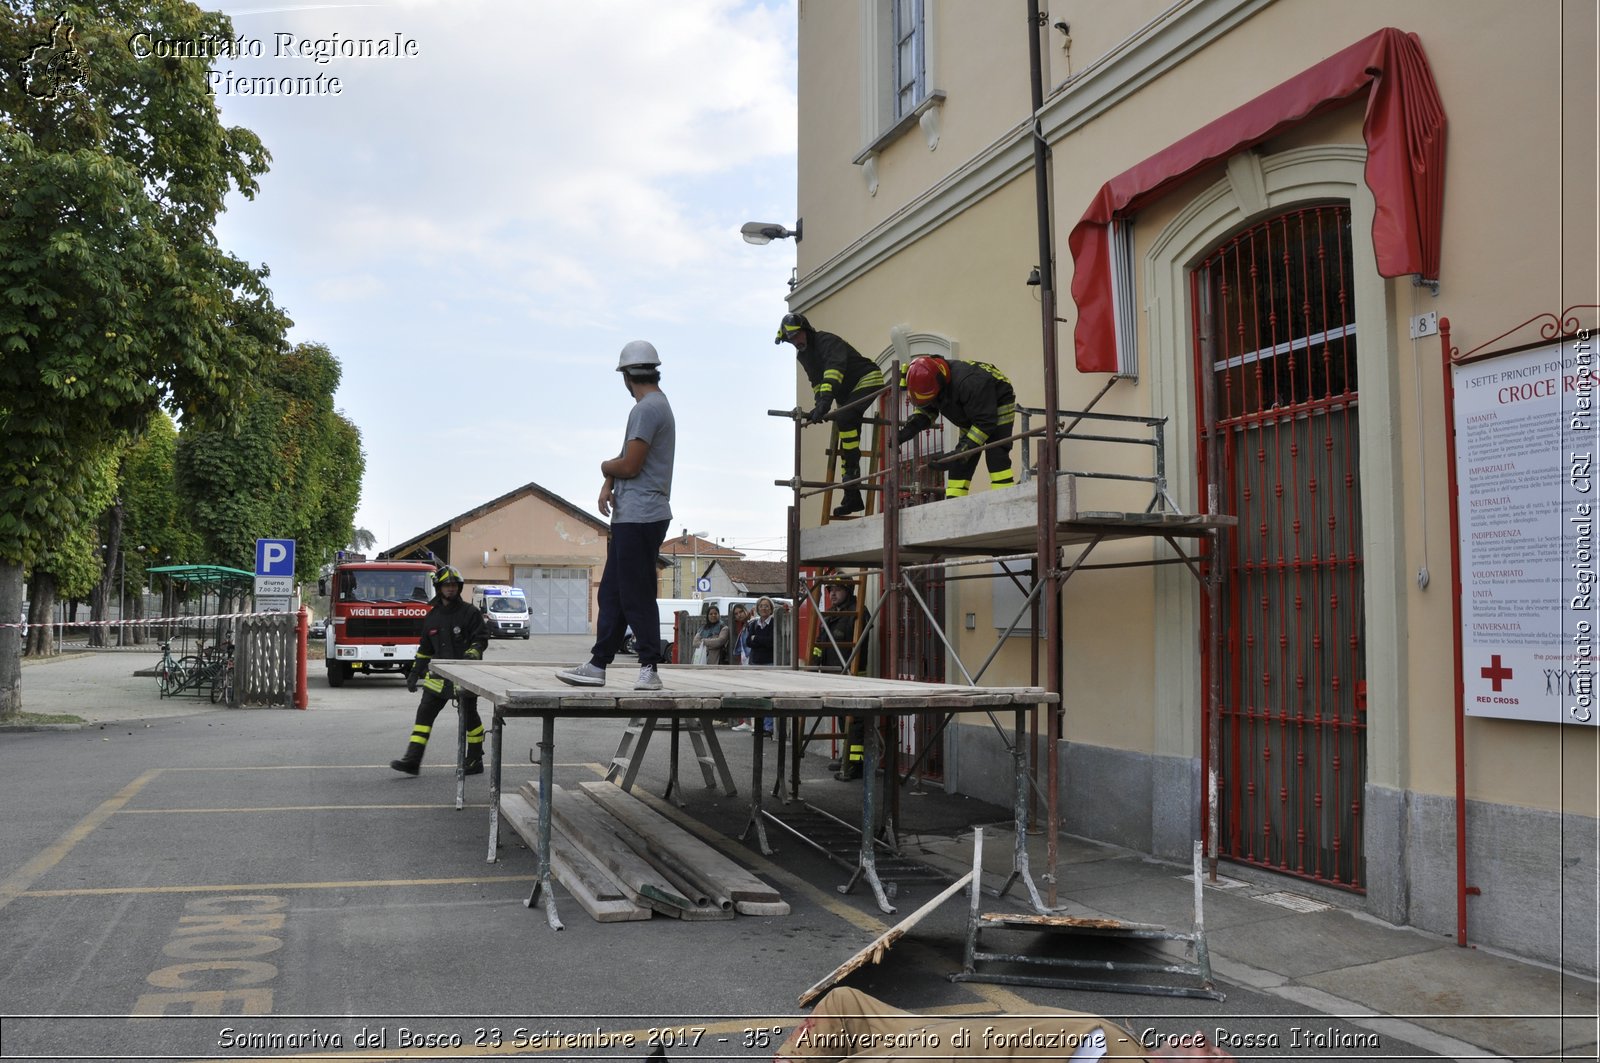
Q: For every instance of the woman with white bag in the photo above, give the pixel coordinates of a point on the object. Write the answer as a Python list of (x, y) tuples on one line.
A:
[(711, 644)]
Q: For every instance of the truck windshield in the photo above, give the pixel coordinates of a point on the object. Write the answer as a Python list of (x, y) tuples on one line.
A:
[(508, 605), (377, 585)]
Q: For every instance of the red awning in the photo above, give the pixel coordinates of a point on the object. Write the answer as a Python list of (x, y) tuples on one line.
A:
[(1404, 132)]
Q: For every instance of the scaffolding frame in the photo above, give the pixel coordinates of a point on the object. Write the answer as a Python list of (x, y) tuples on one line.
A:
[(1054, 526), (887, 546)]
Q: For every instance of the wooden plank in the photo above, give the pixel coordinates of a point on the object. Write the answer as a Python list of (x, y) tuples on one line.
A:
[(879, 945), (531, 689), (581, 821), (1027, 921), (750, 895), (595, 891)]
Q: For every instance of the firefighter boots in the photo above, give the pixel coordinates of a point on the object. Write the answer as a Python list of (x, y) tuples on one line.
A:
[(850, 503), (411, 763)]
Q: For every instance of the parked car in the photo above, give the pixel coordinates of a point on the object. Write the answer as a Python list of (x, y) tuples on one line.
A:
[(318, 629)]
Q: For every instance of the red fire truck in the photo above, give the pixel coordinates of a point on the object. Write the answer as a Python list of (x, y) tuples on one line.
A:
[(375, 615)]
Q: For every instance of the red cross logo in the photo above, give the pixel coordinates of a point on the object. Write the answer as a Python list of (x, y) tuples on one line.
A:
[(1495, 673)]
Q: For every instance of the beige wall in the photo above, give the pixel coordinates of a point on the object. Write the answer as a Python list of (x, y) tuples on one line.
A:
[(528, 531), (1518, 241)]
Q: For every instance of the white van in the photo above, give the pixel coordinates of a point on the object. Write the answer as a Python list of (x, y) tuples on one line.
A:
[(505, 611)]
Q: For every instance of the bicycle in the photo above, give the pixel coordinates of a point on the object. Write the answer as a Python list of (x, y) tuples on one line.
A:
[(175, 674), (222, 682)]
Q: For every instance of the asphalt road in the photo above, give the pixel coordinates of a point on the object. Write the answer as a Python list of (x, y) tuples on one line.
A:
[(266, 884)]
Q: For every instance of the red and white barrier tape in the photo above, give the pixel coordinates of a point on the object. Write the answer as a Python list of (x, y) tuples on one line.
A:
[(146, 621)]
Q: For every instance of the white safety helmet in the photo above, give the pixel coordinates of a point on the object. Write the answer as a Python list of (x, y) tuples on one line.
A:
[(638, 357)]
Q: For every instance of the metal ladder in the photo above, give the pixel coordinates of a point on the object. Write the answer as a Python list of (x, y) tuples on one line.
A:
[(707, 753)]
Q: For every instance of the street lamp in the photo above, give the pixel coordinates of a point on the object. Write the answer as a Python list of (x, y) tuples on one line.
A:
[(697, 537), (764, 232)]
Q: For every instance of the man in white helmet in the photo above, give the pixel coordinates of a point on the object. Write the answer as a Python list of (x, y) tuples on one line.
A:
[(638, 486)]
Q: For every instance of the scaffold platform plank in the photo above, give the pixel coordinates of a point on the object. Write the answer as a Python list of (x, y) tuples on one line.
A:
[(991, 522)]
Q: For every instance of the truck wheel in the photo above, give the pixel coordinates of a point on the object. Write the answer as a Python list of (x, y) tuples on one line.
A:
[(338, 672)]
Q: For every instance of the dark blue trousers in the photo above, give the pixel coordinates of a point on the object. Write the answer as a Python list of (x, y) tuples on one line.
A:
[(628, 593)]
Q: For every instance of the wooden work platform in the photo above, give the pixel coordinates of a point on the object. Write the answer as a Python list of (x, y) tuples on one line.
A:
[(991, 522), (524, 690), (697, 690)]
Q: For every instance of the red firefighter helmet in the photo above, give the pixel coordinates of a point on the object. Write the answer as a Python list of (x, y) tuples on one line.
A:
[(926, 377)]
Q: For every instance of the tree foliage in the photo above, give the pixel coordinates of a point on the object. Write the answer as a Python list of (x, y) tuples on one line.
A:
[(291, 469), (114, 296), (156, 527)]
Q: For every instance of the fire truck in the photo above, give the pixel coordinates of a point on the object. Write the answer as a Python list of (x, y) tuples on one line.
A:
[(375, 611)]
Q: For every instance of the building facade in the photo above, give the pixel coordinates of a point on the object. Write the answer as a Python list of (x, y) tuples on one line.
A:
[(1259, 214), (685, 560), (529, 538)]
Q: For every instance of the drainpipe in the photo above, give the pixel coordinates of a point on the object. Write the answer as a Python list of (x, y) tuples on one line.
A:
[(1460, 707), (1049, 566)]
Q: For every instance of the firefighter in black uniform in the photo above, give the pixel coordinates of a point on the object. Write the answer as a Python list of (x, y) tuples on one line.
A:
[(976, 398), (840, 617), (453, 630), (838, 372)]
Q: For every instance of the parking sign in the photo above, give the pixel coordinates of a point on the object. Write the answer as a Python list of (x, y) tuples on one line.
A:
[(275, 557)]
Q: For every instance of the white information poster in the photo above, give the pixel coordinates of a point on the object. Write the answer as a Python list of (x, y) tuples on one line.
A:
[(1528, 488)]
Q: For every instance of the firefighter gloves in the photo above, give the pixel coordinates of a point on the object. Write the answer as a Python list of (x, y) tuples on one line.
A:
[(820, 411)]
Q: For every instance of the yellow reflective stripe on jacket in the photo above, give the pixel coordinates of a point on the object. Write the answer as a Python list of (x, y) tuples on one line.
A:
[(833, 376), (1008, 413), (434, 683), (991, 370), (873, 379), (977, 435)]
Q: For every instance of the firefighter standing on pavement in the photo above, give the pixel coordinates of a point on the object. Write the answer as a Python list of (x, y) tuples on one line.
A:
[(976, 398), (453, 630), (838, 373)]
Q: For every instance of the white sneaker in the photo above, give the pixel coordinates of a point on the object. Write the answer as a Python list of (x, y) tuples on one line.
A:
[(584, 675), (742, 727), (648, 679)]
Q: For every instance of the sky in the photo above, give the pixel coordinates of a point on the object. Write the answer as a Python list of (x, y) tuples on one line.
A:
[(476, 228)]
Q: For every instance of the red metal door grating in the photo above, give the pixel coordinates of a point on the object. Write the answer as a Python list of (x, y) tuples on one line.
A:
[(1275, 332), (921, 653)]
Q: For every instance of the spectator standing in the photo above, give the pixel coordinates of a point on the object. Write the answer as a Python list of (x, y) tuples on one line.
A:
[(741, 632), (638, 483), (759, 638), (713, 638)]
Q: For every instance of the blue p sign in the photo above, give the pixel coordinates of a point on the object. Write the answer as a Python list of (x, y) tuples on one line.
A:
[(274, 557)]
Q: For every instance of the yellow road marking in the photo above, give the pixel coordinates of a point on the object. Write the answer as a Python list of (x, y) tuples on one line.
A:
[(282, 808), (437, 769), (16, 884), (262, 887)]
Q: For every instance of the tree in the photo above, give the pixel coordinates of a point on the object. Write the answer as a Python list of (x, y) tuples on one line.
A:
[(290, 469), (114, 296), (70, 565)]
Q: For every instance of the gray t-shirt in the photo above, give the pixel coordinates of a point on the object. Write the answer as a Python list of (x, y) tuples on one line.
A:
[(647, 497)]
